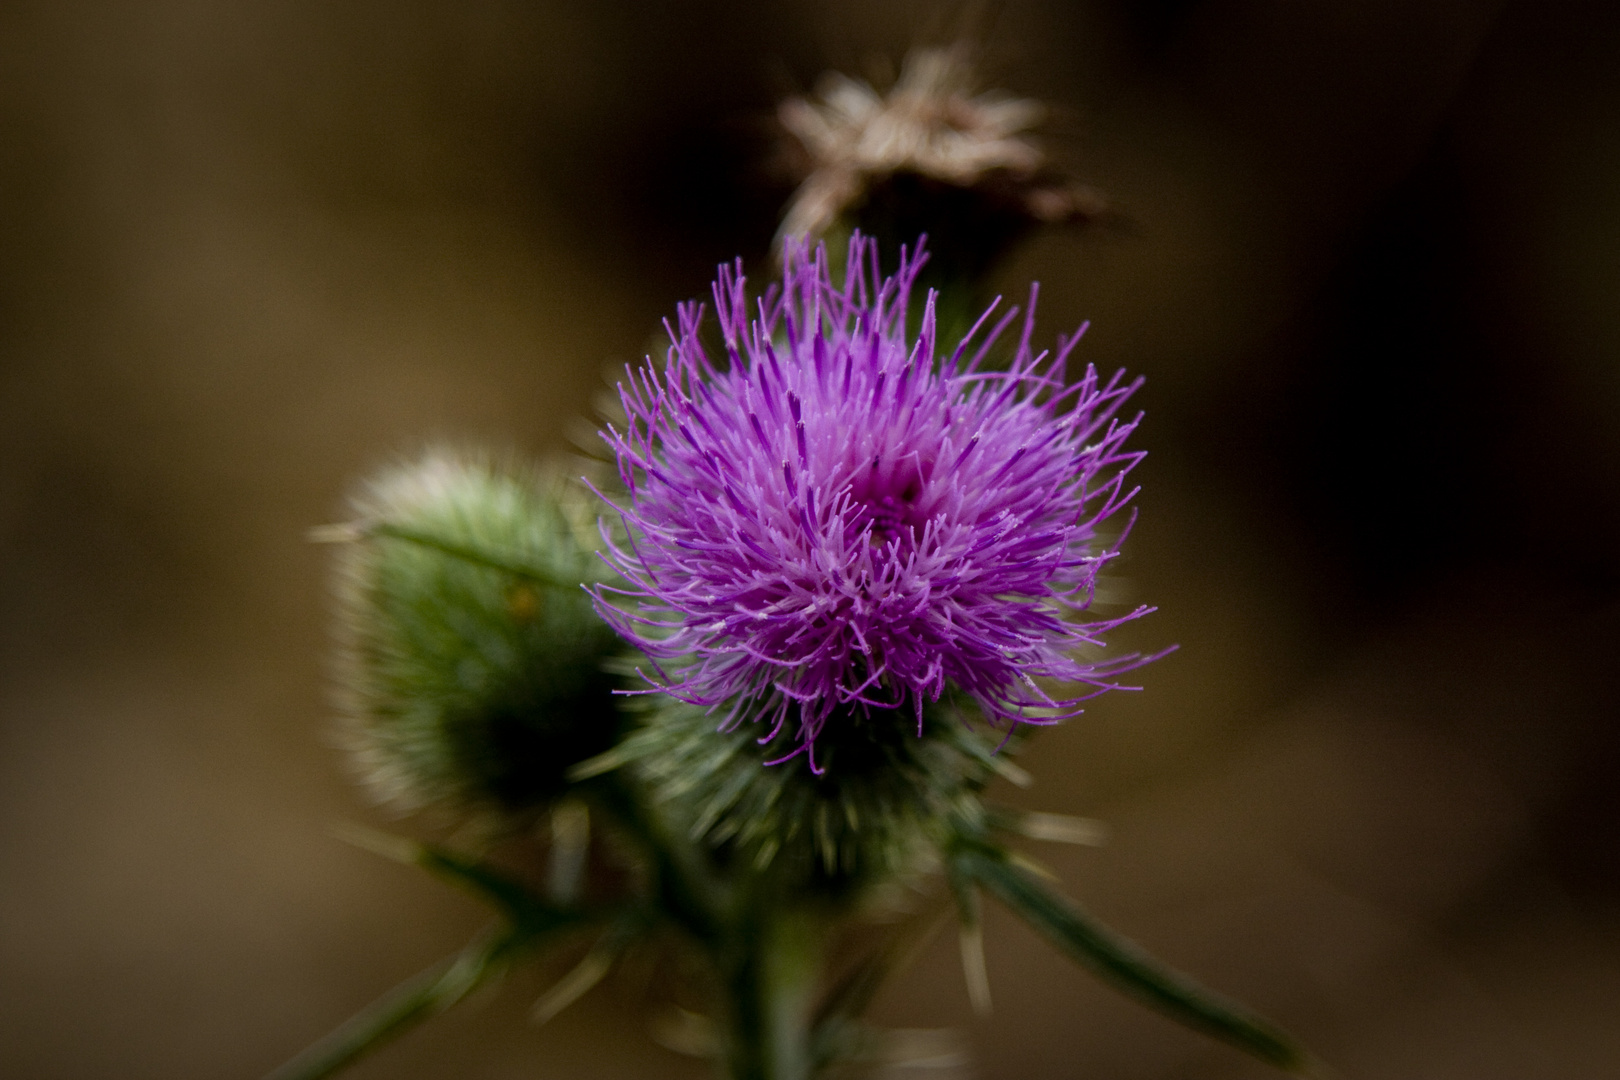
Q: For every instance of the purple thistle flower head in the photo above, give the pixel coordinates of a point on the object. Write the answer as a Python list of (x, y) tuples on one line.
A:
[(836, 519)]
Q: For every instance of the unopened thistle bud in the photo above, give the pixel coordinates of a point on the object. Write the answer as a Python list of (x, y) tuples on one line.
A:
[(472, 668)]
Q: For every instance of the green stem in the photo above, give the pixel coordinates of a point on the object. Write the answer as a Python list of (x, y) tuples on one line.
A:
[(683, 886), (773, 971), (767, 951)]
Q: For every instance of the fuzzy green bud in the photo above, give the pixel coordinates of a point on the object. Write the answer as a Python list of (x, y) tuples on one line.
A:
[(472, 662)]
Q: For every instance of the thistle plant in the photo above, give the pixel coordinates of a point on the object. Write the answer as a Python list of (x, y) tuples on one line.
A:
[(846, 568)]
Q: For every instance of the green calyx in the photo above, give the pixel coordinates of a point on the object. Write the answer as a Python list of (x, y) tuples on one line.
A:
[(472, 671), (885, 802)]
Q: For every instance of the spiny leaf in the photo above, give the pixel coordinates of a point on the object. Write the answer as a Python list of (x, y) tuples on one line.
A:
[(1125, 964), (590, 970), (527, 912), (530, 922), (1054, 828), (971, 942)]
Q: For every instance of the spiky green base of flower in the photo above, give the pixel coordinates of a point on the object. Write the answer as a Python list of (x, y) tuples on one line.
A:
[(472, 662), (885, 802)]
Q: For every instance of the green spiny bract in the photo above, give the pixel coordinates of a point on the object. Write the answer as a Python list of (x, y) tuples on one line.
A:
[(472, 672), (884, 804)]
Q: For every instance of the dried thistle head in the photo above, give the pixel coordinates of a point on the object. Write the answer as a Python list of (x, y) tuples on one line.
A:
[(935, 154)]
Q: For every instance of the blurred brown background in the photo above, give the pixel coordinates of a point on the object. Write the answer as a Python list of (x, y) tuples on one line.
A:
[(1370, 266)]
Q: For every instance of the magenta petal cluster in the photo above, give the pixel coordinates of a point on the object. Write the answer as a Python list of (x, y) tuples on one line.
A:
[(834, 518)]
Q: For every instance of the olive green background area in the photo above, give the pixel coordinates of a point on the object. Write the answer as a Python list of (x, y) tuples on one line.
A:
[(1368, 259)]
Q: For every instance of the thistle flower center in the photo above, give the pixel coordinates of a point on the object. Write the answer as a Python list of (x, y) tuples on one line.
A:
[(888, 498)]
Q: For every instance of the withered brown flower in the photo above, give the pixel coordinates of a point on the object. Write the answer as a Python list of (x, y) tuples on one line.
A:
[(934, 135)]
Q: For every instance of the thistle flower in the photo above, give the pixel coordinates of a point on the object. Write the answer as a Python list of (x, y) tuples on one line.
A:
[(472, 664), (836, 522)]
